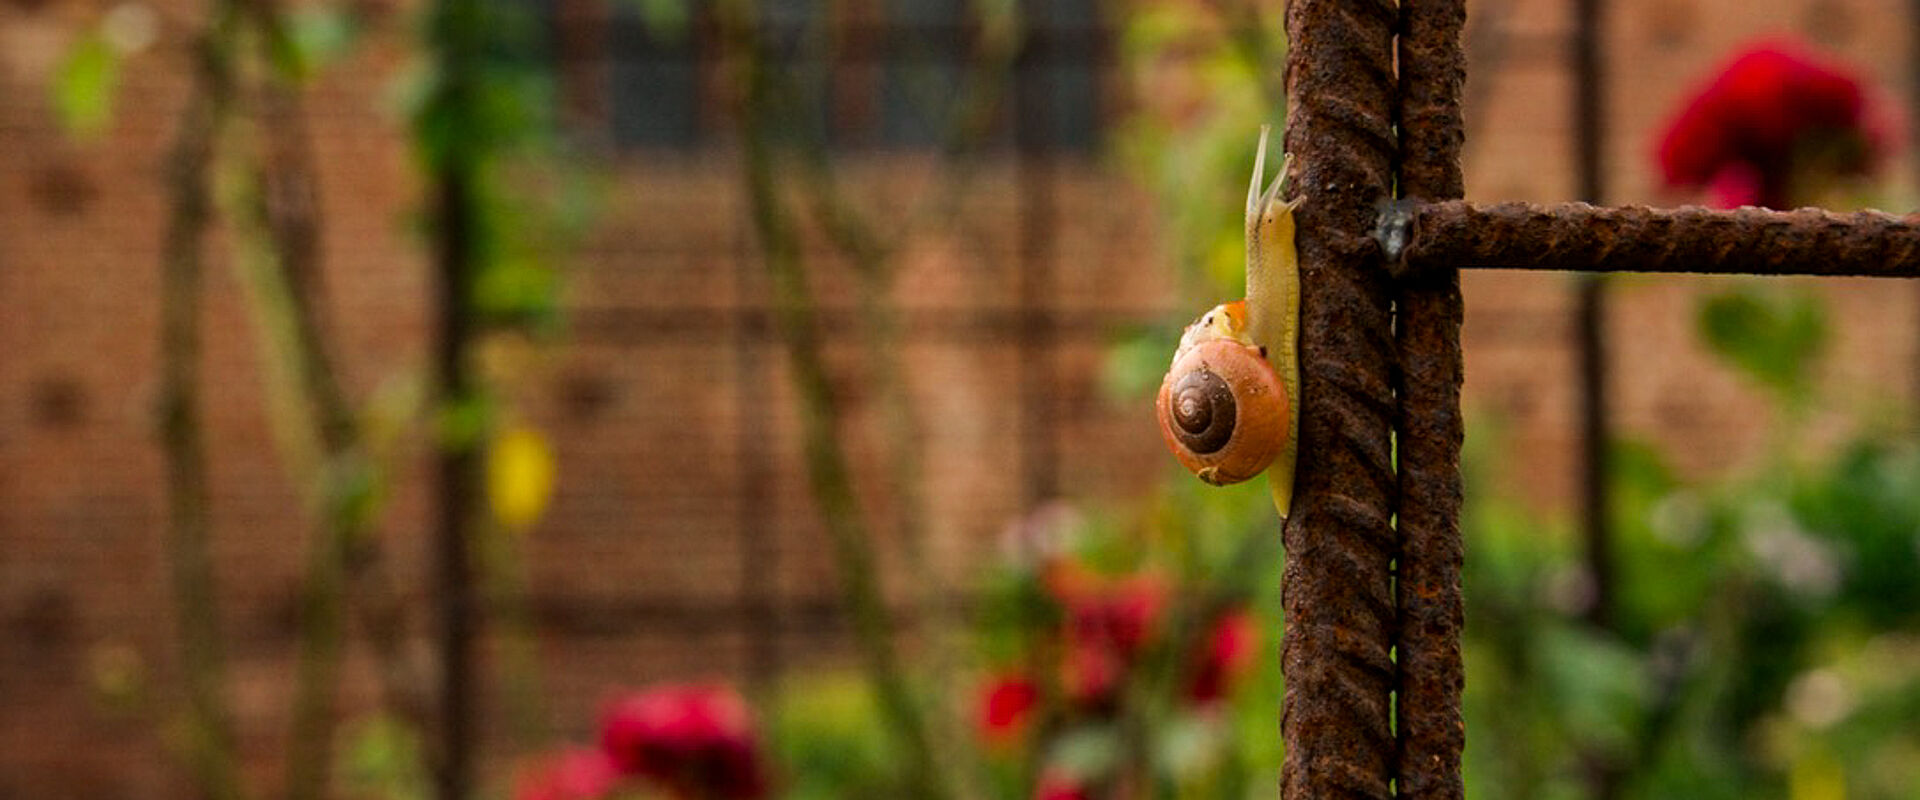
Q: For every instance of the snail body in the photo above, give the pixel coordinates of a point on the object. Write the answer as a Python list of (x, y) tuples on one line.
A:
[(1230, 404)]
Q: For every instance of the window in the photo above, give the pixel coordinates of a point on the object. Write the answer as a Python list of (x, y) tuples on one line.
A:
[(883, 79), (654, 81)]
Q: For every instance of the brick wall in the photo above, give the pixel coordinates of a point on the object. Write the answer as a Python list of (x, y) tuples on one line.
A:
[(682, 503)]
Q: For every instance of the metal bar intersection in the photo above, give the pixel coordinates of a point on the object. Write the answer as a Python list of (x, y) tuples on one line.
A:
[(1372, 583)]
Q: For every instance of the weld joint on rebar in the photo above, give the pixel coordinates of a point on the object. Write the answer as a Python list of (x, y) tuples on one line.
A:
[(1393, 230)]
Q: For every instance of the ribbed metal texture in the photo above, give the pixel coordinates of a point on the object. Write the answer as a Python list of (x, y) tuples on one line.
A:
[(1431, 611), (1577, 236), (1340, 542)]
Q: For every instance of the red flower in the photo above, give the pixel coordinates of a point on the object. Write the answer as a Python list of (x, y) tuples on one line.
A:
[(576, 774), (696, 740), (1093, 676), (1058, 785), (1771, 118), (1005, 707), (1230, 651), (1115, 615), (1109, 621)]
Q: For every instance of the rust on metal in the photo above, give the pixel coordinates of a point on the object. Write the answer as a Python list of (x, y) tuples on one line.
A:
[(1340, 543), (1431, 610), (1577, 236)]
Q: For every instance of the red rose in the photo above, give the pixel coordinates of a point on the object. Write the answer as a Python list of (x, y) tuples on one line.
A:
[(1005, 707), (577, 774), (1093, 676), (1118, 615), (1771, 118), (696, 740), (1109, 621), (1058, 785), (1230, 651), (1739, 184)]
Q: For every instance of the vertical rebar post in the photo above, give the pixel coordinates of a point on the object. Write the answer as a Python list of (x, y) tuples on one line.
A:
[(1431, 610), (1340, 543)]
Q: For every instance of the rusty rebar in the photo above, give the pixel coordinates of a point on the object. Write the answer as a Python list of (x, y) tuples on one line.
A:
[(1577, 236), (1340, 543), (1431, 611)]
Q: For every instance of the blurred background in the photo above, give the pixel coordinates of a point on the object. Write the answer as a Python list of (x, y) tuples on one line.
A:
[(747, 398)]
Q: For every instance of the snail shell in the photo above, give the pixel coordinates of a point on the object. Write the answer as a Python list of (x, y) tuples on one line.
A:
[(1223, 411)]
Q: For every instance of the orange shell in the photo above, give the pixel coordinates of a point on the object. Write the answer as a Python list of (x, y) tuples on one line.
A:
[(1260, 411)]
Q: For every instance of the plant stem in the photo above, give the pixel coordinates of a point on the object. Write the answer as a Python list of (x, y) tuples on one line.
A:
[(287, 203), (827, 464), (450, 133), (342, 554), (212, 744), (871, 253)]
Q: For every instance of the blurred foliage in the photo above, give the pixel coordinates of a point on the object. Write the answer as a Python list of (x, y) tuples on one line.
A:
[(1208, 78), (1769, 331), (1766, 634), (381, 759), (1765, 643), (1171, 572), (826, 735), (313, 37), (1207, 82), (85, 84), (487, 110), (668, 18)]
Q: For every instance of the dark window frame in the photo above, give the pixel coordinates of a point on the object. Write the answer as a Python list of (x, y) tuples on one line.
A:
[(879, 90)]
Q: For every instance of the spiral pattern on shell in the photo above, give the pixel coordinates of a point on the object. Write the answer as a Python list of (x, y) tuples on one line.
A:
[(1203, 411)]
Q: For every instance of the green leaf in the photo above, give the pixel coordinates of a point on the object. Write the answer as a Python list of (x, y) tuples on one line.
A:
[(1189, 745), (1774, 336), (382, 758), (1601, 686), (84, 86), (354, 492), (1092, 749), (517, 290), (464, 421), (311, 38), (1136, 364), (667, 18)]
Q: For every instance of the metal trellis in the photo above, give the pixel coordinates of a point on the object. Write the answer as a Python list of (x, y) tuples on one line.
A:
[(1356, 128)]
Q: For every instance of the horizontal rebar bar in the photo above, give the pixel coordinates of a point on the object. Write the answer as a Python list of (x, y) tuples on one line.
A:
[(1581, 237)]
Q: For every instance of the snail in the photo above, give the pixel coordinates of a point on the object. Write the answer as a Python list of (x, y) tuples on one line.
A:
[(1222, 407), (1229, 406)]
